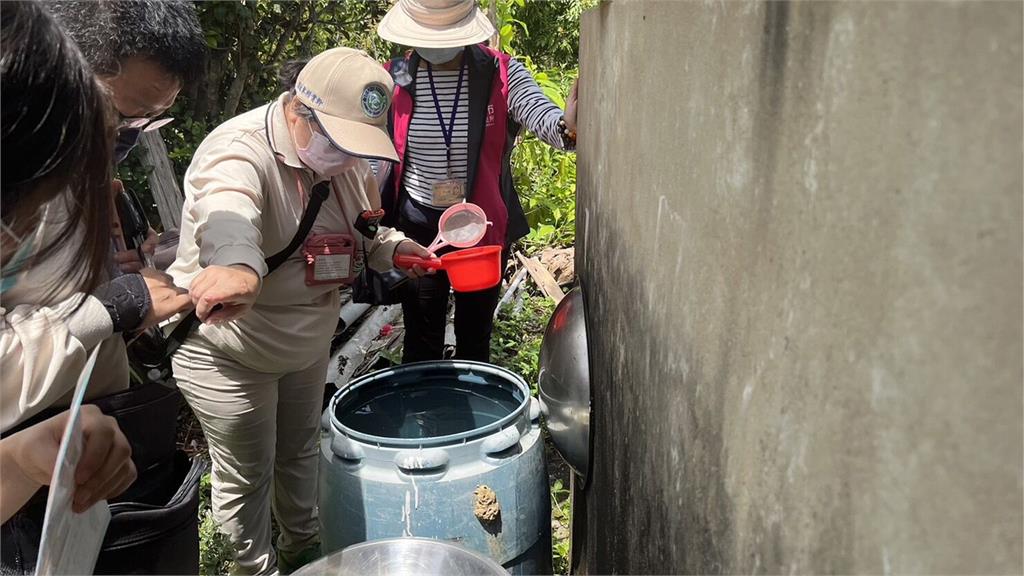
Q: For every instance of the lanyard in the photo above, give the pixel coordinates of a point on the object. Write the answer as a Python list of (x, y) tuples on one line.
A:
[(449, 132)]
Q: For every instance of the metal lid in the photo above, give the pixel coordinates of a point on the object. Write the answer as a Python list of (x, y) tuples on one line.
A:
[(564, 382)]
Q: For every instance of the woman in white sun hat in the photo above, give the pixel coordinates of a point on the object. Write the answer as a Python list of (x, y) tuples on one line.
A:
[(266, 291), (458, 107)]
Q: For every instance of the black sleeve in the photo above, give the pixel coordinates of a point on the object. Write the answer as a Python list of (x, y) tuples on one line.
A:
[(127, 300)]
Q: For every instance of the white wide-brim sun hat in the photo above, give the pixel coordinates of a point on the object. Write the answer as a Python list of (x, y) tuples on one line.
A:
[(435, 24)]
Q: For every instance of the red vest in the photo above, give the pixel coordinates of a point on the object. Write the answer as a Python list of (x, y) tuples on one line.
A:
[(486, 189)]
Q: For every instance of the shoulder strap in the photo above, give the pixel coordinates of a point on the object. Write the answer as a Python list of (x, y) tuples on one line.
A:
[(316, 199)]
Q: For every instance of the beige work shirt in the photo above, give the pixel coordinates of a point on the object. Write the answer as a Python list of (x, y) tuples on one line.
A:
[(47, 332), (245, 193)]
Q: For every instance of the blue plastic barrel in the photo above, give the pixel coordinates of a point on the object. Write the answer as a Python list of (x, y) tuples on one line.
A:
[(449, 450)]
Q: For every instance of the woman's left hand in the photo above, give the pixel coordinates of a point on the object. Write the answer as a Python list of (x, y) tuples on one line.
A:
[(104, 470), (410, 248), (570, 107)]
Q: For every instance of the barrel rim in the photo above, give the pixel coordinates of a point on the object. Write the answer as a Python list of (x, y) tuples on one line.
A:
[(470, 365)]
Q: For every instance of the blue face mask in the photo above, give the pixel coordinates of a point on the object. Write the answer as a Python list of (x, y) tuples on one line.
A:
[(439, 55), (127, 138), (12, 271)]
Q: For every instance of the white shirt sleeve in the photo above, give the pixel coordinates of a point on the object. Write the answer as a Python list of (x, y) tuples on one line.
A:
[(42, 352), (227, 205)]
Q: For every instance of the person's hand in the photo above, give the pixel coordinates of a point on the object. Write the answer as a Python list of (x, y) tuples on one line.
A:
[(104, 470), (167, 299), (570, 107), (129, 261), (410, 248), (152, 240), (224, 293)]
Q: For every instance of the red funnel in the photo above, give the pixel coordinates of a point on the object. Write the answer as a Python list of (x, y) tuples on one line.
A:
[(469, 270)]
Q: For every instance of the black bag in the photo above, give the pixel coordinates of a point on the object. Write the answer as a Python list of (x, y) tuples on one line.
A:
[(376, 288), (146, 351), (148, 417), (157, 533), (146, 414), (20, 537)]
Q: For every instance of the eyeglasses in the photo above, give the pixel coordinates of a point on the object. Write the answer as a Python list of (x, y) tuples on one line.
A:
[(143, 124)]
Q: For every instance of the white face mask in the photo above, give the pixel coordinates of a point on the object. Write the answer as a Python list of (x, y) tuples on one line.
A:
[(15, 267), (439, 55), (322, 157)]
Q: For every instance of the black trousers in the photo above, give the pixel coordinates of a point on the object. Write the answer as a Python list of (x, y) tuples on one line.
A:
[(425, 308)]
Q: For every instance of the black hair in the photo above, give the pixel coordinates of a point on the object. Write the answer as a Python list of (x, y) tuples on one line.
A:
[(288, 75), (111, 31), (57, 144)]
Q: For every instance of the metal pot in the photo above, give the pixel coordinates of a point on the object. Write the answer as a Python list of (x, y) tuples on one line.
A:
[(402, 557)]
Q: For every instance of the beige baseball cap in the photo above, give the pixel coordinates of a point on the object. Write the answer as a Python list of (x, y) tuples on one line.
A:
[(350, 94), (435, 24)]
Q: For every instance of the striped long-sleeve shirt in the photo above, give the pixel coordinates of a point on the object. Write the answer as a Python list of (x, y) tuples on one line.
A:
[(427, 159)]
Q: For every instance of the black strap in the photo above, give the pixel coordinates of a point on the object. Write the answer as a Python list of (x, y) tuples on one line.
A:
[(316, 198)]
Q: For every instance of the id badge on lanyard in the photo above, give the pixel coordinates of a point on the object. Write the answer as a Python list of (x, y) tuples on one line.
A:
[(448, 192), (329, 259), (451, 190)]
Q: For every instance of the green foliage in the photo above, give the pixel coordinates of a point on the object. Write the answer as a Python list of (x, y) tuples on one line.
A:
[(544, 36), (546, 182), (561, 522), (517, 335), (215, 553), (547, 30), (545, 178)]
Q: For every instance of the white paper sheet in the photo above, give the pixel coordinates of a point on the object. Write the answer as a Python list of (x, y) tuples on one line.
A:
[(71, 542)]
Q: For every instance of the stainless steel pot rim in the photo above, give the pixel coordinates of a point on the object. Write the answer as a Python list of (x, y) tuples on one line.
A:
[(480, 563)]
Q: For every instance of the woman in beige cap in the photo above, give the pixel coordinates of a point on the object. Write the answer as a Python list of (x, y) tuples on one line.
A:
[(254, 369), (458, 107)]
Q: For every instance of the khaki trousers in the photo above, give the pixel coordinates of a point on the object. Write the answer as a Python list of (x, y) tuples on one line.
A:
[(263, 433)]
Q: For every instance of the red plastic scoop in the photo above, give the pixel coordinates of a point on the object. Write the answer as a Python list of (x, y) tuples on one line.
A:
[(469, 270)]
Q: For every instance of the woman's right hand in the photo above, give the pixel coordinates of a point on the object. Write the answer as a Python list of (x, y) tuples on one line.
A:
[(167, 299), (411, 248), (224, 293)]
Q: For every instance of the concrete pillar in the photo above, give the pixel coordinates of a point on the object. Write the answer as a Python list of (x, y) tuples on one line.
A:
[(800, 240)]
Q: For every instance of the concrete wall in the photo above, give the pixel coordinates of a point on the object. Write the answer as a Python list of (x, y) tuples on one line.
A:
[(800, 240)]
